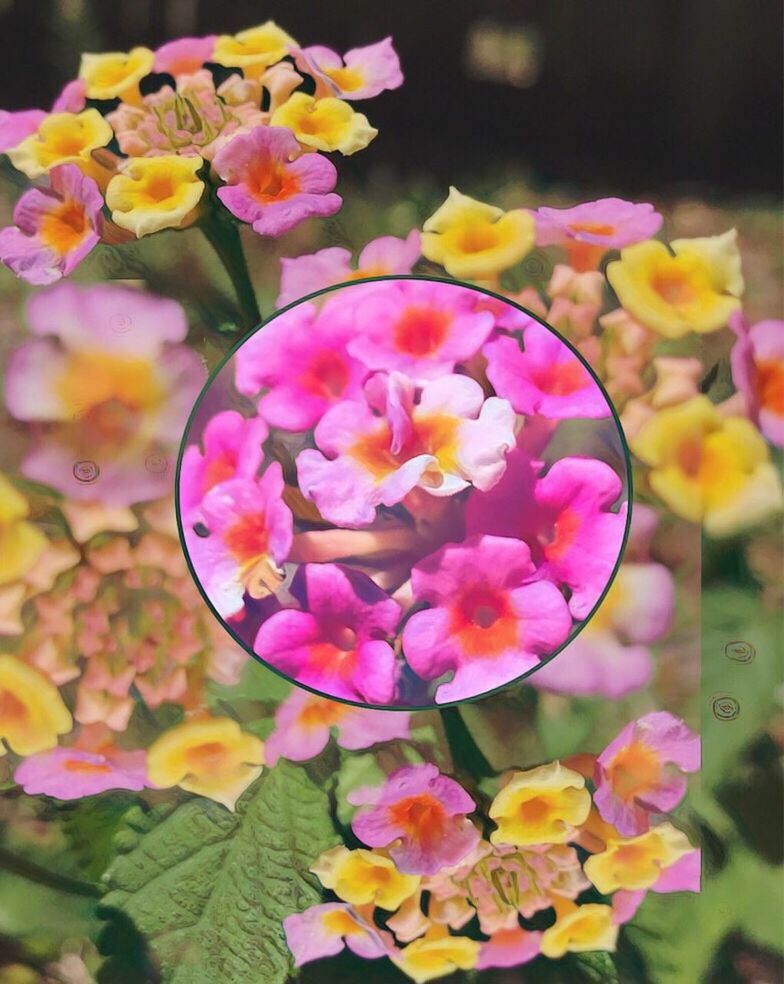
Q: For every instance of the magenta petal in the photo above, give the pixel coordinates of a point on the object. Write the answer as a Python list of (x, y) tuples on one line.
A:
[(683, 876)]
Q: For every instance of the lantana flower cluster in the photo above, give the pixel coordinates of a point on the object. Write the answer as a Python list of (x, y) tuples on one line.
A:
[(555, 862), (386, 520), (234, 127)]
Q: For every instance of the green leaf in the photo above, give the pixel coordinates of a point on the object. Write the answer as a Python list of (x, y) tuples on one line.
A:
[(209, 888), (91, 826)]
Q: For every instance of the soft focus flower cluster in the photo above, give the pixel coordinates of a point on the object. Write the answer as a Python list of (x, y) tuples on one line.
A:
[(571, 852), (148, 140), (392, 524)]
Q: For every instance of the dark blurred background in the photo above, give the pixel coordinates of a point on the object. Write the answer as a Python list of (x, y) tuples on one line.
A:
[(678, 95)]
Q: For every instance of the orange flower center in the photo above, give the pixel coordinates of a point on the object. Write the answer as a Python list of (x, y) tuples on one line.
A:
[(209, 756), (592, 228), (90, 768), (534, 810), (483, 623), (64, 228), (219, 469), (319, 713), (565, 530), (433, 434), (770, 385), (247, 538), (269, 182), (560, 378), (477, 237), (335, 660), (421, 817), (12, 710), (326, 376), (340, 923), (673, 287), (347, 79), (634, 770), (421, 330)]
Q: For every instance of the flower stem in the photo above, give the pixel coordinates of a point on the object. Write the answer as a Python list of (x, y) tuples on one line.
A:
[(43, 876), (466, 754), (224, 237)]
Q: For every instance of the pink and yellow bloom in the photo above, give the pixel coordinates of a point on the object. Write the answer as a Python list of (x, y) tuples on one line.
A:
[(473, 240), (112, 383), (661, 859), (303, 723), (184, 55), (643, 771), (451, 438), (588, 230), (709, 468), (509, 948), (694, 288), (326, 929), (324, 124), (545, 378), (71, 773), (21, 542), (249, 532), (541, 806), (338, 643), (55, 227), (115, 74), (418, 328), (581, 929), (254, 49), (385, 256), (271, 184), (485, 623), (364, 878), (17, 126), (209, 756), (32, 712), (302, 362), (62, 138), (360, 74), (420, 816), (436, 954), (154, 193), (757, 360)]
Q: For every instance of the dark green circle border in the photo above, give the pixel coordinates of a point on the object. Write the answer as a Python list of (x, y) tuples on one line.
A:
[(408, 707)]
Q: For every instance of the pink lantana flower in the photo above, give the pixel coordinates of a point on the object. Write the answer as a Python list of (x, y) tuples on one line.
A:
[(303, 722), (271, 184), (545, 378), (56, 227), (588, 230), (360, 74), (70, 773), (326, 929), (757, 360), (249, 533), (301, 356), (485, 623), (415, 327), (232, 449), (16, 126), (642, 771), (448, 438), (564, 518), (184, 56), (385, 256), (509, 948), (420, 816), (685, 875), (72, 98), (338, 643)]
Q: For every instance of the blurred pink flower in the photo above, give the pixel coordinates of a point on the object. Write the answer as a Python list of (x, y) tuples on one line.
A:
[(757, 360), (184, 56), (232, 449), (485, 623), (451, 438), (16, 126), (360, 74), (56, 227), (111, 384), (70, 773), (302, 275), (301, 357), (564, 518), (337, 645), (72, 98), (545, 378), (420, 816), (415, 327), (303, 722), (326, 929), (509, 948), (271, 184), (642, 771), (249, 533)]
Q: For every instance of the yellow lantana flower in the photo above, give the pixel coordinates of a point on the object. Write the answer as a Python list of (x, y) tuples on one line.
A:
[(361, 877), (32, 712), (116, 74), (211, 757), (696, 289), (436, 954), (21, 543), (708, 468), (324, 124), (584, 928), (636, 863), (540, 806), (473, 240), (154, 193), (253, 50), (62, 138)]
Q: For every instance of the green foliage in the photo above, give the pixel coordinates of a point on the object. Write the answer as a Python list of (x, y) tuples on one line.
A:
[(209, 888), (91, 826)]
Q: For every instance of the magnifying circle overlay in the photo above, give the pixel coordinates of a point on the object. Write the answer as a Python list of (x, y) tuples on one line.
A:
[(403, 492)]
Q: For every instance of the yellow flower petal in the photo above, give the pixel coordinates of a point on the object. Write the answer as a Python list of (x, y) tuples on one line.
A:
[(324, 124), (362, 877), (154, 193), (253, 50), (471, 239), (62, 138), (588, 927), (635, 863), (436, 955), (722, 257), (115, 74), (540, 806), (21, 543), (211, 757), (32, 712)]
